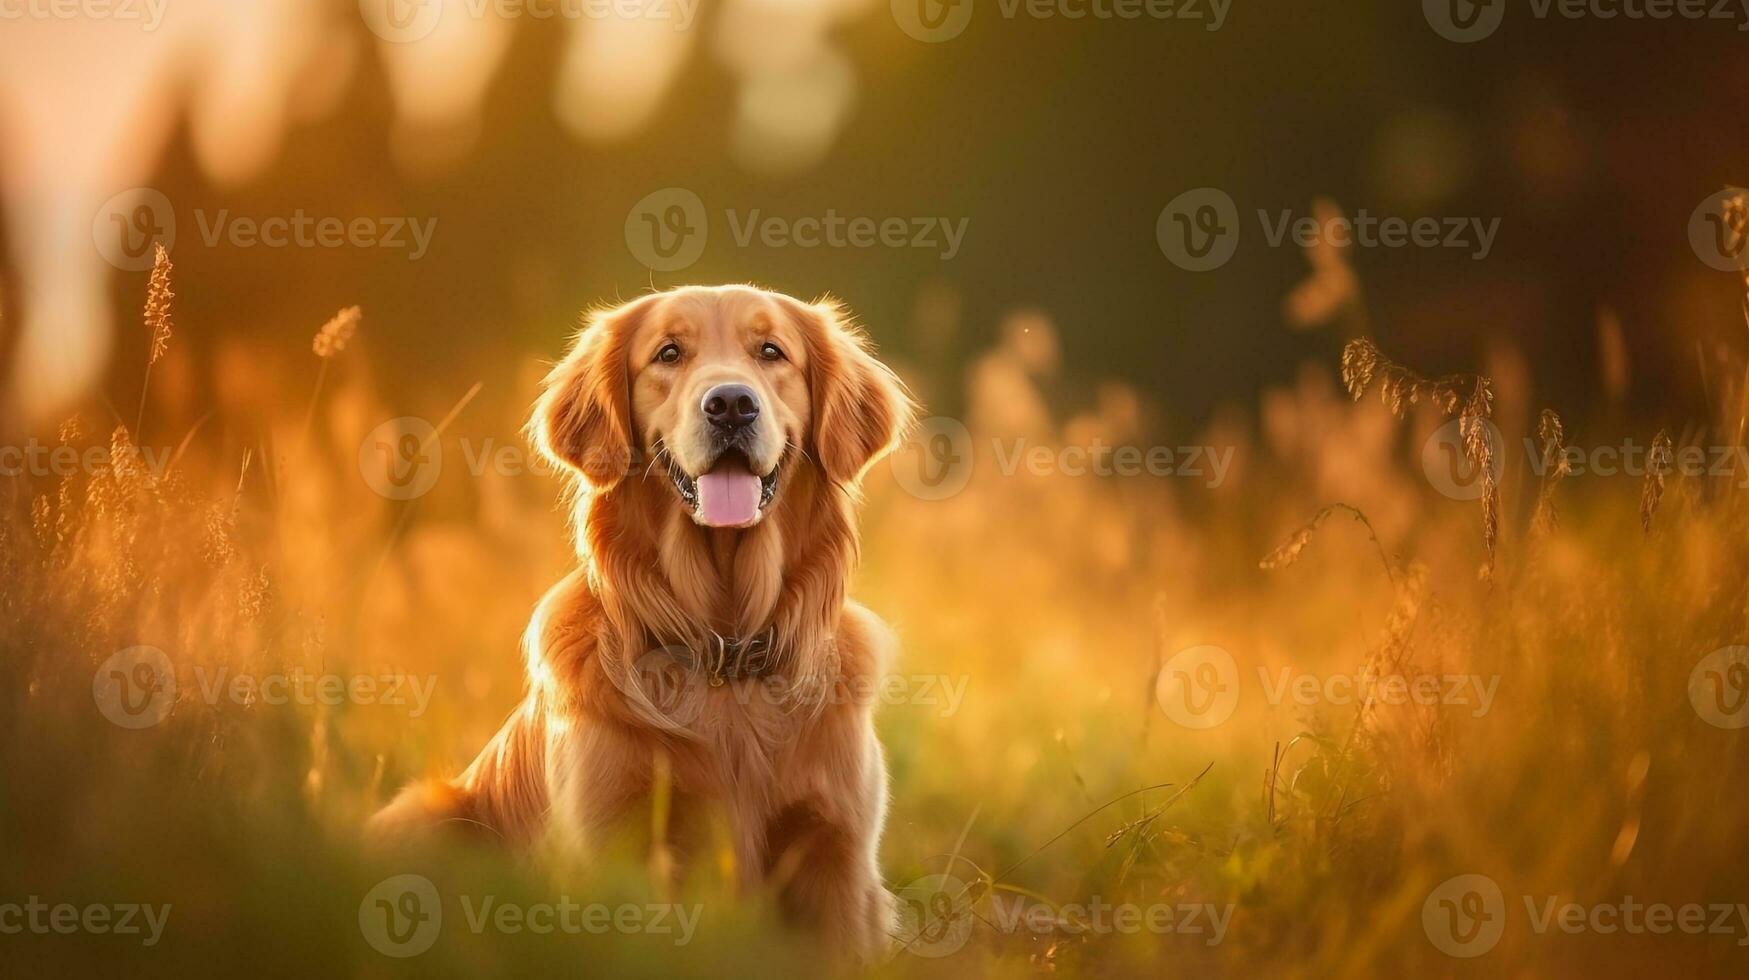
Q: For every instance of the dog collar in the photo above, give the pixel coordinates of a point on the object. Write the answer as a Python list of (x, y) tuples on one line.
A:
[(729, 658)]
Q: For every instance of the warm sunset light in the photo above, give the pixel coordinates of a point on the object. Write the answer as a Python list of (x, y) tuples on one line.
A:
[(929, 488)]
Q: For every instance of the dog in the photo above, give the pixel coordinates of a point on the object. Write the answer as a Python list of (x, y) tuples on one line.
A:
[(715, 439)]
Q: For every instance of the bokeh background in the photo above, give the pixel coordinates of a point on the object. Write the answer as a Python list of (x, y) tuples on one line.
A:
[(1057, 140), (1058, 602)]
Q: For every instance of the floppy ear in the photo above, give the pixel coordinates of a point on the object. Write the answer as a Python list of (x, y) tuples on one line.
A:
[(583, 419), (861, 409)]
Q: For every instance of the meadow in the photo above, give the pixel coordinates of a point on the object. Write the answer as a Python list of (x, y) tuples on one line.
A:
[(1524, 686)]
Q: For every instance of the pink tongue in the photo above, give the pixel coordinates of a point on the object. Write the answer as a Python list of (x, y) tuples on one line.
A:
[(728, 496)]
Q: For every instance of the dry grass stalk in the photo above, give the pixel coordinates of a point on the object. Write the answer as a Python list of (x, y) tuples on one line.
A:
[(329, 342), (157, 317), (1289, 551), (337, 332), (1736, 215), (1468, 396), (1658, 460), (1555, 468), (158, 297)]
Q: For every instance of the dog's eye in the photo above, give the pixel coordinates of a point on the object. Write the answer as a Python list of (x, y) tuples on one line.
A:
[(669, 353), (770, 352)]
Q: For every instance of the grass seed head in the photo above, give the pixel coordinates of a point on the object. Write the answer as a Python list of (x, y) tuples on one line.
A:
[(337, 332)]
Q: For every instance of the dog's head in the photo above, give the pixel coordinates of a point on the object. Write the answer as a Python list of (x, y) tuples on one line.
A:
[(720, 392)]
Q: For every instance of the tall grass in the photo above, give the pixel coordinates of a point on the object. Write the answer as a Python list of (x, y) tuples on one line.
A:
[(1059, 601)]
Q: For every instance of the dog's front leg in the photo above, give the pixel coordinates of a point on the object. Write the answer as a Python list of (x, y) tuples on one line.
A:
[(595, 776), (824, 858)]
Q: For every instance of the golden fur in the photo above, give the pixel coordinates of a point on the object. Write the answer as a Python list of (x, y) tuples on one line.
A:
[(790, 760)]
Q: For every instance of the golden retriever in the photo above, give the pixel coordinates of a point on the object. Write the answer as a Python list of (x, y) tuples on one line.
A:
[(716, 438)]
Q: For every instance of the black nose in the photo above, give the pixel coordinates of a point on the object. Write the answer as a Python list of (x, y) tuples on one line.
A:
[(731, 406)]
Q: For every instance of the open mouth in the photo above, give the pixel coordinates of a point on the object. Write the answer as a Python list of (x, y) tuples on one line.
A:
[(729, 494)]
